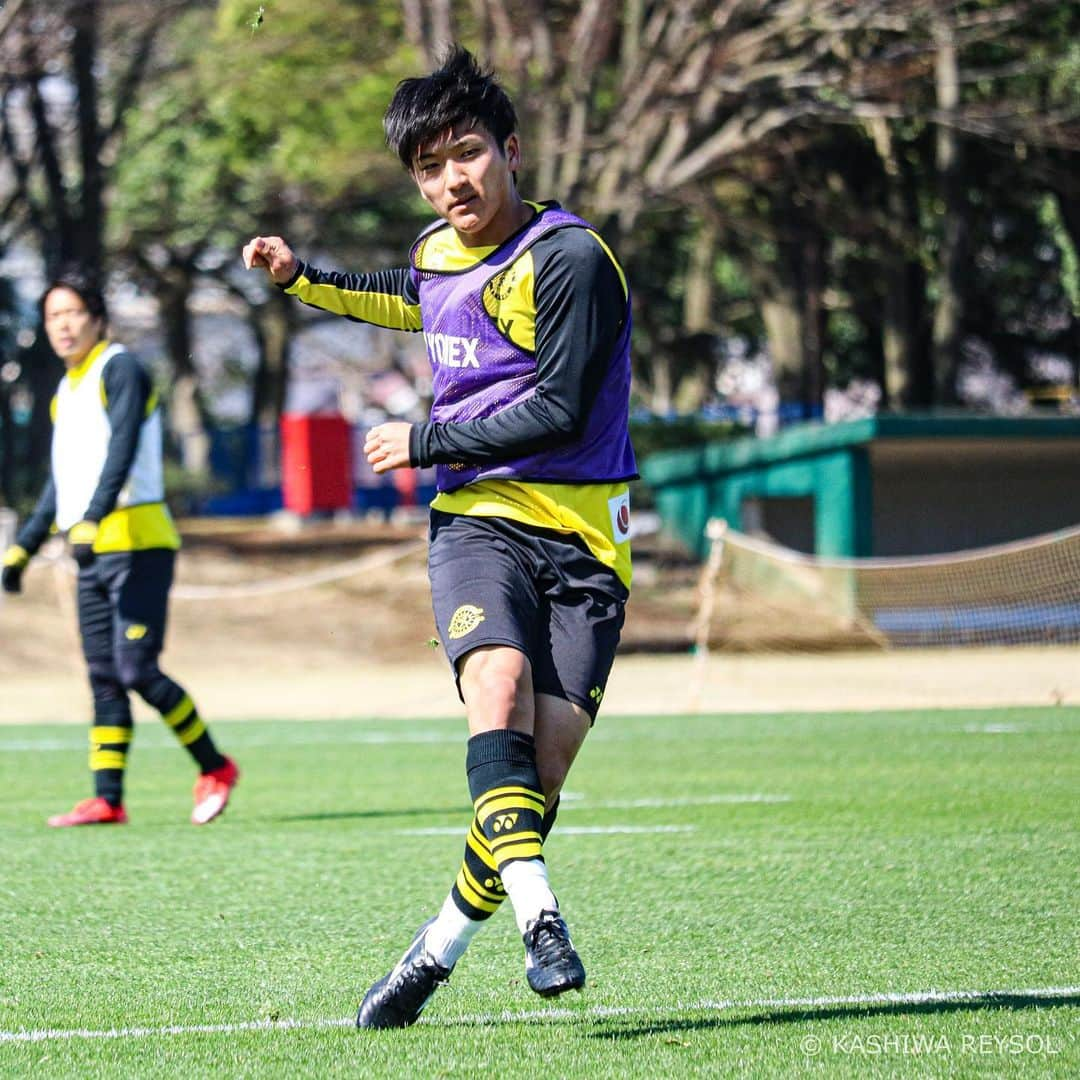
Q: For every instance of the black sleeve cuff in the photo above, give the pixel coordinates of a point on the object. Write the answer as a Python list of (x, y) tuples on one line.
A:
[(416, 454), (301, 267)]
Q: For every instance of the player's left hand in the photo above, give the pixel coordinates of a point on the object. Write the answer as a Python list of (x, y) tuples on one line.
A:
[(387, 446), (81, 537)]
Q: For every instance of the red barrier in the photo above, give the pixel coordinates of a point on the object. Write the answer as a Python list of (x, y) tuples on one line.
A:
[(316, 463)]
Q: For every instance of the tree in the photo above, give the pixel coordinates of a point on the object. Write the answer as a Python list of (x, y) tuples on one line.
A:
[(630, 105), (71, 72), (276, 129)]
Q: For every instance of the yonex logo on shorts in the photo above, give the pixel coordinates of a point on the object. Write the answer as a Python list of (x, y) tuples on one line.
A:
[(465, 620)]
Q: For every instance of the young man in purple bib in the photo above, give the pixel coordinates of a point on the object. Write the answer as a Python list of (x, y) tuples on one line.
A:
[(526, 316)]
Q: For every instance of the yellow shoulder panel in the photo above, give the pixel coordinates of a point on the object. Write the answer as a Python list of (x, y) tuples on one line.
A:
[(508, 299)]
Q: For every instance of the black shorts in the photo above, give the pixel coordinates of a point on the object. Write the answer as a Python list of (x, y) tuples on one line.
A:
[(499, 582), (123, 604)]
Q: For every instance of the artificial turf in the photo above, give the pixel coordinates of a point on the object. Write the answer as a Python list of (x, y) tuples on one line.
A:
[(846, 894)]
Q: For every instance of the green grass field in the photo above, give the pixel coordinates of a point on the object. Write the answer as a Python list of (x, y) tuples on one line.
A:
[(878, 894)]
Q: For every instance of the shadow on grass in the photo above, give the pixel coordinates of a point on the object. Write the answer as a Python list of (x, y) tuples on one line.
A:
[(362, 815), (614, 1029)]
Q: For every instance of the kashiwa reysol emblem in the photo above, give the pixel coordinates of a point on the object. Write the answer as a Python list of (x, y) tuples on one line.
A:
[(465, 620)]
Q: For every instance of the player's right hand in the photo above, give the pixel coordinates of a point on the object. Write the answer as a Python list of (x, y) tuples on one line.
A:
[(273, 255), (15, 560), (81, 537)]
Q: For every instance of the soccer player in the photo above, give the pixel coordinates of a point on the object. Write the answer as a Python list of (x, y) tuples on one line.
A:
[(105, 492), (526, 316)]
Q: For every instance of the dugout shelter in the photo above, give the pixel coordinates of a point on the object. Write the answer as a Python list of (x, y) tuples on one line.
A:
[(879, 486)]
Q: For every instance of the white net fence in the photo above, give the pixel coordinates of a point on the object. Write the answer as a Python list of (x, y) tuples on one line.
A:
[(757, 594)]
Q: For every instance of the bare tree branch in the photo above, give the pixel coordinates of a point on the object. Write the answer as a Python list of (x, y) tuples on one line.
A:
[(7, 16), (129, 84)]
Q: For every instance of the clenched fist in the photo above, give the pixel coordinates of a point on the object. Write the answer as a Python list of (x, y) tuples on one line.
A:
[(273, 255)]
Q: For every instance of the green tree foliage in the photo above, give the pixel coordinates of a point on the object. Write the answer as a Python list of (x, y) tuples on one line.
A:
[(69, 71), (834, 146), (302, 95), (270, 125), (823, 177)]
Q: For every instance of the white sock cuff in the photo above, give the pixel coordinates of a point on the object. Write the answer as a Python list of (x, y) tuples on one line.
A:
[(526, 883), (450, 934)]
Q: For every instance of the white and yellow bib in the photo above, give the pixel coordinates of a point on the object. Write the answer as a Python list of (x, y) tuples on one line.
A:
[(80, 443)]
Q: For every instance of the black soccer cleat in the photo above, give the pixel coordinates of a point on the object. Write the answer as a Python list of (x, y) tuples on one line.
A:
[(552, 966), (398, 999)]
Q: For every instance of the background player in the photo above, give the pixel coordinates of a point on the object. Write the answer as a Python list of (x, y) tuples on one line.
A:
[(105, 491)]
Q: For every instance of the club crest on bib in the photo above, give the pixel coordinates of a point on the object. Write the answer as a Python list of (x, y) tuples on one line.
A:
[(464, 621)]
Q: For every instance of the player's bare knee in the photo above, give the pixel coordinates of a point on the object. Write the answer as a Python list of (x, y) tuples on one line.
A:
[(495, 692), (497, 688)]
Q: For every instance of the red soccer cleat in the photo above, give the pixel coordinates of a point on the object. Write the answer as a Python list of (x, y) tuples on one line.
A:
[(212, 791), (94, 811)]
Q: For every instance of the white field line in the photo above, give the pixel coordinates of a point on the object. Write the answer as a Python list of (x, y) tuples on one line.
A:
[(369, 737), (47, 1034), (701, 800), (570, 801), (927, 997), (309, 735)]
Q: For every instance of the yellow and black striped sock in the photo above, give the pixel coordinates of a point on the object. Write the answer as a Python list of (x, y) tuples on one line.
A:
[(478, 890), (179, 712), (110, 739), (506, 794)]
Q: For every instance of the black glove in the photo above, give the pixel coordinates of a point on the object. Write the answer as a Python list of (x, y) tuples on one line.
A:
[(81, 537), (15, 560)]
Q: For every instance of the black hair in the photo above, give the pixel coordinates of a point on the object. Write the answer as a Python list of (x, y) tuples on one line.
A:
[(81, 282), (457, 94)]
